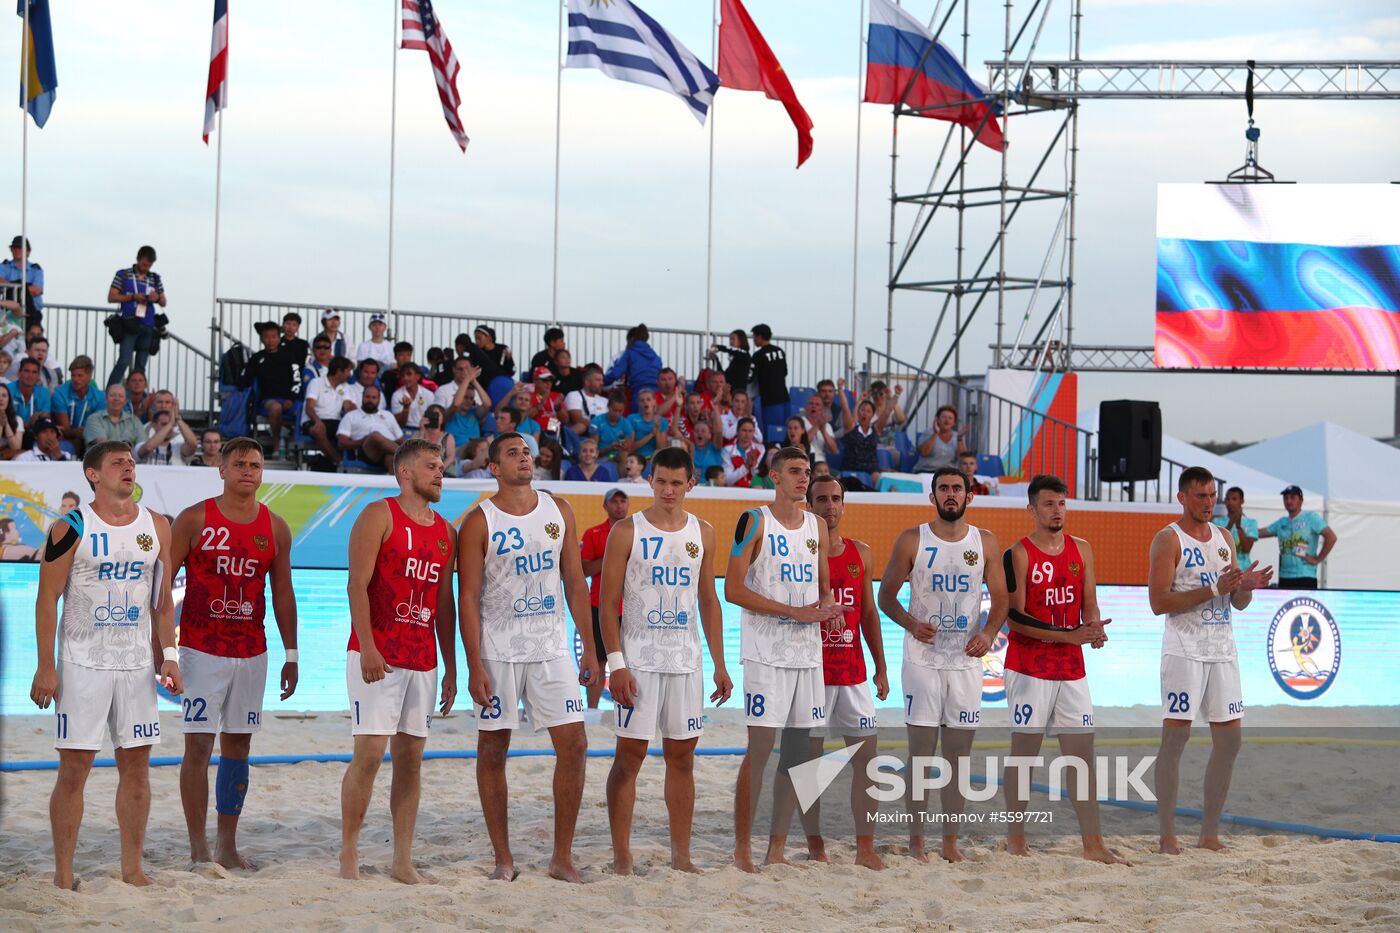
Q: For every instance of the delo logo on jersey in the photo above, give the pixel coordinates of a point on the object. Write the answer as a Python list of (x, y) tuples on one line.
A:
[(1305, 648), (117, 610), (948, 623), (668, 618), (844, 638), (228, 608), (414, 611), (534, 604)]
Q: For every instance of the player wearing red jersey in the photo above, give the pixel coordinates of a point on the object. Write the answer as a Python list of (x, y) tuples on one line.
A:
[(230, 546), (850, 711), (401, 612), (1054, 613)]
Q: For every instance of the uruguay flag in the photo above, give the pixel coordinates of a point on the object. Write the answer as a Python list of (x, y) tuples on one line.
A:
[(43, 73), (623, 42), (897, 43)]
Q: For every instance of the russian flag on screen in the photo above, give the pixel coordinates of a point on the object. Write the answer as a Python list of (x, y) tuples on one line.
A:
[(897, 44), (1278, 276)]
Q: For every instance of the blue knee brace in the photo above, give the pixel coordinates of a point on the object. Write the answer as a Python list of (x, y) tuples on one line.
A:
[(231, 785)]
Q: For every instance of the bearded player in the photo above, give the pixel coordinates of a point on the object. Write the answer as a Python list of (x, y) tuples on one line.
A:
[(519, 561), (946, 562), (230, 546), (850, 711), (401, 614), (1194, 580), (1054, 613), (659, 564)]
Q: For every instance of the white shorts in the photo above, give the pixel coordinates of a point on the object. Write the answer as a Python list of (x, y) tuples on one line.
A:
[(1060, 705), (402, 702), (936, 697), (548, 689), (783, 697), (849, 709), (673, 704), (222, 694), (1210, 688), (89, 698)]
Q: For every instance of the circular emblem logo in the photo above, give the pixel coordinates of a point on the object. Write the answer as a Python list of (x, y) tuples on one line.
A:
[(552, 529), (1305, 648), (145, 542)]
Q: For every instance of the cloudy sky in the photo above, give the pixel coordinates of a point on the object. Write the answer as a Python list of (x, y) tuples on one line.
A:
[(306, 157)]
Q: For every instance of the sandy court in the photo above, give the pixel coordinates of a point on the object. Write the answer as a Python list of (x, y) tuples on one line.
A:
[(291, 828)]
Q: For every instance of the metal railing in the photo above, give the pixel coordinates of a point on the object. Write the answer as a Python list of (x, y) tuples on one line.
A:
[(808, 359), (179, 366)]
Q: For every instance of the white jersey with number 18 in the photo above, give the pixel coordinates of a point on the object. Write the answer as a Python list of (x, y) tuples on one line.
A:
[(784, 571)]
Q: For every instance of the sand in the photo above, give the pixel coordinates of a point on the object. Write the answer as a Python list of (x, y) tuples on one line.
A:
[(291, 827)]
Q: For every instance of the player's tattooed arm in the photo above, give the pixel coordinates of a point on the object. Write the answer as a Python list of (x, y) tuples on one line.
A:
[(284, 600), (897, 571), (870, 623), (471, 558)]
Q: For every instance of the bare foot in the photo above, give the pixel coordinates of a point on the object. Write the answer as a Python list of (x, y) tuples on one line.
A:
[(776, 857), (407, 874), (744, 862), (505, 871), (622, 866), (683, 863), (136, 879), (1211, 842), (564, 870), (1102, 853), (916, 849), (1169, 846), (200, 854), (866, 858), (67, 882), (350, 866), (1016, 845), (816, 849), (950, 851), (229, 858)]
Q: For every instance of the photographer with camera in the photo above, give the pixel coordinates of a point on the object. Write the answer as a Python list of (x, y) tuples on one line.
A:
[(138, 291)]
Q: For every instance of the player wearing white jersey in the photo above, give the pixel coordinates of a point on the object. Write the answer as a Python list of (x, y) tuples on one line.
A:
[(946, 562), (110, 561), (519, 561), (1193, 579), (777, 575), (660, 564)]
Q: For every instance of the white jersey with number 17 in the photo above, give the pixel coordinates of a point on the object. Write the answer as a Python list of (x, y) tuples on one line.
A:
[(660, 608)]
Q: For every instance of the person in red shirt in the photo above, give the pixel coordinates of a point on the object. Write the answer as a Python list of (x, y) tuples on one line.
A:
[(850, 711), (541, 401), (1054, 613), (591, 547), (402, 609), (229, 546)]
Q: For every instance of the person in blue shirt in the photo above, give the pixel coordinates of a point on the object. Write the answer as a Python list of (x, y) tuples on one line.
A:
[(138, 291), (1243, 529), (639, 365), (31, 400), (75, 400), (705, 453), (612, 429), (647, 427), (1298, 535), (12, 270)]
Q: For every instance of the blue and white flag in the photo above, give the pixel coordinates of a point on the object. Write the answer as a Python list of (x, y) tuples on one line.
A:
[(623, 42)]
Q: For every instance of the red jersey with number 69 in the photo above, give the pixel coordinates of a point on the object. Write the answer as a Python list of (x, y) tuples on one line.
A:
[(1055, 594), (843, 659), (225, 578), (403, 591)]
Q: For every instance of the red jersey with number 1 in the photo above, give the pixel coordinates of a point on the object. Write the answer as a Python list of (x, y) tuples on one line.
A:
[(843, 658), (225, 578), (1055, 594), (403, 591)]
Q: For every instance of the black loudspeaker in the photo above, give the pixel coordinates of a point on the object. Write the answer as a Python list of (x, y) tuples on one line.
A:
[(1130, 441)]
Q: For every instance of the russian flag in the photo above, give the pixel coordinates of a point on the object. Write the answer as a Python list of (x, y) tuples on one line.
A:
[(897, 44)]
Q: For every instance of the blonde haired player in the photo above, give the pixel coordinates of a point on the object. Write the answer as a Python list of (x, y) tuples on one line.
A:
[(659, 564), (1193, 580)]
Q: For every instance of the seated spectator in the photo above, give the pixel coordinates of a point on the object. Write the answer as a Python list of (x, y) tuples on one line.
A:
[(31, 400), (634, 467), (169, 439), (13, 270), (538, 400), (329, 398), (432, 429), (369, 431), (860, 444), (567, 378), (826, 394), (411, 399), (763, 478), (638, 366), (45, 445), (613, 430), (366, 375), (115, 423), (704, 451), (376, 347), (11, 336), (8, 364), (670, 394), (50, 375), (297, 347), (976, 485), (391, 378), (493, 359), (275, 376), (138, 398), (796, 436), (330, 332), (940, 447), (714, 475), (587, 469), (321, 356), (12, 430), (648, 429), (741, 406), (586, 402), (76, 400), (465, 401), (694, 413), (553, 343), (211, 450), (888, 413), (473, 465), (715, 388), (439, 368), (821, 469), (137, 291), (547, 461), (510, 419), (741, 459), (816, 423)]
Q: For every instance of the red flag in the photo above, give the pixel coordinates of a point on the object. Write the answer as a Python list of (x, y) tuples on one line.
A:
[(746, 63)]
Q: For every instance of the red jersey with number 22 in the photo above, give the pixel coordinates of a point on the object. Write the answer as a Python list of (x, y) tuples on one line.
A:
[(843, 659), (225, 578), (403, 592), (1055, 594)]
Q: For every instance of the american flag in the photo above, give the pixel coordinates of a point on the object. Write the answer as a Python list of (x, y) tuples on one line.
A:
[(423, 30), (216, 92)]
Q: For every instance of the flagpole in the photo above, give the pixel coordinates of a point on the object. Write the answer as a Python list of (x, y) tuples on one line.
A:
[(855, 213), (710, 189), (393, 130), (218, 198), (558, 123), (24, 172)]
